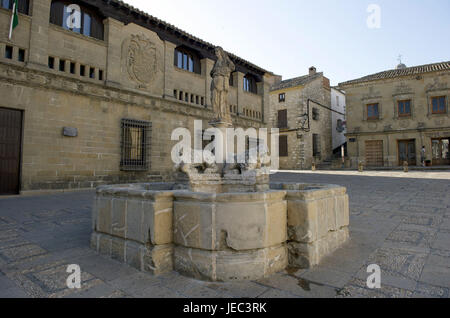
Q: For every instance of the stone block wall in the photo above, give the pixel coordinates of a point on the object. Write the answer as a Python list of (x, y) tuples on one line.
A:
[(318, 221), (52, 99), (227, 237), (300, 142), (219, 237), (135, 227), (421, 126)]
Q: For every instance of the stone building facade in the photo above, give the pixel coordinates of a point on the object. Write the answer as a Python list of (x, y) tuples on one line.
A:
[(96, 102), (338, 118), (300, 108), (391, 115)]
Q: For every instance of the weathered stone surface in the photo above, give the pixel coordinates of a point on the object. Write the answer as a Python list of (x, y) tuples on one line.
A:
[(238, 221), (135, 213), (220, 236), (315, 211), (153, 259), (318, 219), (420, 125), (230, 265), (307, 255)]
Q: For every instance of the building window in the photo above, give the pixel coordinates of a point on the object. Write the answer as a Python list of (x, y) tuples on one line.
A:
[(21, 56), (62, 65), (72, 68), (187, 60), (51, 62), (82, 70), (86, 21), (315, 114), (135, 145), (23, 5), (316, 145), (282, 119), (282, 97), (438, 105), (404, 108), (9, 52), (283, 147), (250, 84), (373, 112), (231, 79)]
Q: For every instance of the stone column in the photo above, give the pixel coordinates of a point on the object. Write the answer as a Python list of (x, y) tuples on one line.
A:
[(264, 91), (207, 66), (113, 37), (38, 56), (169, 58)]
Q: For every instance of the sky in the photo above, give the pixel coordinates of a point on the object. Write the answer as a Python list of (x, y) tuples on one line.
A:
[(286, 37)]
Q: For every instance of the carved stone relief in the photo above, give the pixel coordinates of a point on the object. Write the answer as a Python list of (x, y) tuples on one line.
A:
[(402, 88), (372, 94), (140, 59), (436, 85)]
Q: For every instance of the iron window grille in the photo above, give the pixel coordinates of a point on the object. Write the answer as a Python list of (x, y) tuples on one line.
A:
[(135, 145)]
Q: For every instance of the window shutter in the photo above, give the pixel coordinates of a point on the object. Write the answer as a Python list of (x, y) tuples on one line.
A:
[(283, 147), (316, 145), (282, 118)]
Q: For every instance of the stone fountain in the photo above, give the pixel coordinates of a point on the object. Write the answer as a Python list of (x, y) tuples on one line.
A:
[(226, 222)]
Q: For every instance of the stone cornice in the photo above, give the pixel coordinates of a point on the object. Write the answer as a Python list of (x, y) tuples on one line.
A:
[(21, 75), (390, 132)]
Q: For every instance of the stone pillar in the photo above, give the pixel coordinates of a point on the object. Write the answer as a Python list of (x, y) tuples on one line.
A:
[(264, 91), (207, 66), (113, 37), (38, 56), (77, 68), (169, 58), (240, 90)]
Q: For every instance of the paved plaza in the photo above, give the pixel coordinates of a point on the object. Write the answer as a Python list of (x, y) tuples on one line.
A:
[(399, 221)]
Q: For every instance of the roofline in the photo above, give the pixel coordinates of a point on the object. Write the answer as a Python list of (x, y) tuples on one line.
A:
[(290, 79), (361, 80), (126, 13)]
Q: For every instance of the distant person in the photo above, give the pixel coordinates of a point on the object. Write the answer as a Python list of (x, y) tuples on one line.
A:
[(423, 156)]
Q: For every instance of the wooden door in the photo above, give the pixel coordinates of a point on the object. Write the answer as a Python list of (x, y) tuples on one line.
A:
[(374, 153), (10, 150), (407, 152)]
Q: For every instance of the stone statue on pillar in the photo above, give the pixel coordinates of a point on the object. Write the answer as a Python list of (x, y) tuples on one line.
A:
[(220, 86)]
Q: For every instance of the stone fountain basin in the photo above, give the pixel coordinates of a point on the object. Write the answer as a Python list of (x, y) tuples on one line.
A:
[(230, 236), (160, 227)]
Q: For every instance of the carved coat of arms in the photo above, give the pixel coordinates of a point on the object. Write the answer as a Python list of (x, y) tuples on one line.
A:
[(141, 59)]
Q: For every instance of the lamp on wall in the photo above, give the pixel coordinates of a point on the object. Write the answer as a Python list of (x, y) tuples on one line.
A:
[(304, 122)]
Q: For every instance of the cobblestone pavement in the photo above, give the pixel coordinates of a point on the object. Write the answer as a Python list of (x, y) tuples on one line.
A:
[(400, 222)]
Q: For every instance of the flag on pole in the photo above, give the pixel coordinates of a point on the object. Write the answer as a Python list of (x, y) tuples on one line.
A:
[(14, 18)]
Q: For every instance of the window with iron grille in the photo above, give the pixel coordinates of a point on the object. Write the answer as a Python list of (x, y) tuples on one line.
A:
[(135, 145)]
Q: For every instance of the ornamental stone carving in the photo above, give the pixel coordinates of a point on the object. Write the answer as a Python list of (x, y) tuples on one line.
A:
[(220, 86), (140, 55)]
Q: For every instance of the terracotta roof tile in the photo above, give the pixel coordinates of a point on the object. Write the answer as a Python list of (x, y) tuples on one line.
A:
[(415, 70), (183, 33), (297, 81)]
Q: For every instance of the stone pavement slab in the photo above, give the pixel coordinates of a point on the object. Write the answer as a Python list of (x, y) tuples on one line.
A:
[(399, 221)]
